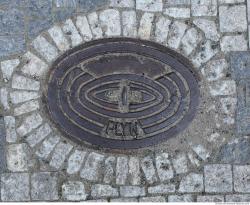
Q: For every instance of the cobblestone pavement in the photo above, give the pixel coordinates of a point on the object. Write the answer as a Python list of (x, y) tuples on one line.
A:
[(208, 162)]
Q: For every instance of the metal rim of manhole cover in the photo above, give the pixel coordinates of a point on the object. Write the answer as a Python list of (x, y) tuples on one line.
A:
[(122, 93)]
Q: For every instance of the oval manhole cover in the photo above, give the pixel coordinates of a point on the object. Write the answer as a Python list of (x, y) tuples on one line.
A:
[(122, 93)]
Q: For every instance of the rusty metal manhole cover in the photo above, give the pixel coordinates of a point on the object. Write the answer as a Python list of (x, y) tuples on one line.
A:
[(122, 93)]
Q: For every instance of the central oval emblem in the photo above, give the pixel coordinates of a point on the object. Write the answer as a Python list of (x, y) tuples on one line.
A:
[(122, 93)]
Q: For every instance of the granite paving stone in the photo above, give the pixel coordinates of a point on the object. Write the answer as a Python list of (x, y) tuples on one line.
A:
[(210, 198), (15, 187), (241, 178), (218, 178), (181, 198), (75, 161), (10, 129), (109, 171), (74, 191), (12, 44), (7, 68), (44, 186)]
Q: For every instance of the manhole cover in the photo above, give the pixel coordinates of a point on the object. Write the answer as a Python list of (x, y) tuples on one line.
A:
[(122, 93)]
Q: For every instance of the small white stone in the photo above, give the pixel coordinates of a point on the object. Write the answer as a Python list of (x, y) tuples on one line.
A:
[(204, 7), (100, 190), (109, 170), (121, 170), (176, 33), (226, 87), (218, 178), (134, 171), (4, 98), (178, 12), (201, 151), (47, 146), (192, 183), (26, 107), (74, 191), (83, 26), (162, 29), (70, 30), (181, 198), (209, 28), (57, 35), (149, 5), (92, 168), (129, 24), (228, 105), (190, 41), (164, 168), (207, 51), (215, 70), (233, 18), (61, 151), (162, 189), (45, 49), (10, 126), (23, 83), (180, 163), (242, 178), (18, 157), (122, 3), (29, 123), (75, 161), (145, 25), (132, 191), (210, 198), (38, 136), (233, 43), (7, 68), (158, 199), (149, 169), (95, 25), (193, 159), (110, 22), (23, 96)]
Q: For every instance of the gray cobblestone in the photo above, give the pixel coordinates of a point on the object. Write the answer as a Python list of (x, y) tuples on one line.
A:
[(26, 107), (95, 25), (176, 33), (17, 97), (23, 83), (152, 199), (90, 5), (162, 29), (192, 183), (132, 191), (121, 170), (210, 198), (84, 28), (238, 198), (178, 12), (44, 186), (218, 178), (146, 22), (15, 187), (242, 178), (149, 5), (18, 157), (7, 68), (123, 3), (134, 172), (11, 45), (74, 191), (91, 170), (129, 23), (162, 189), (164, 167), (149, 169), (61, 151), (124, 200), (233, 43), (99, 191), (233, 18), (4, 98), (204, 7), (30, 122), (10, 126), (180, 164), (109, 171), (71, 31), (181, 198), (40, 134), (36, 26), (2, 146), (75, 161), (47, 146)]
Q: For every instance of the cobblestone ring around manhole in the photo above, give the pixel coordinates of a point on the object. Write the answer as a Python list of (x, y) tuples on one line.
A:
[(122, 93)]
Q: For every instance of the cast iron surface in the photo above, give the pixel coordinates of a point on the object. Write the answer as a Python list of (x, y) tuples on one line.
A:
[(122, 93)]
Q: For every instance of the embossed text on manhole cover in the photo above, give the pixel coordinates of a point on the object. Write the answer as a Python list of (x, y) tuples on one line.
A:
[(122, 93)]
